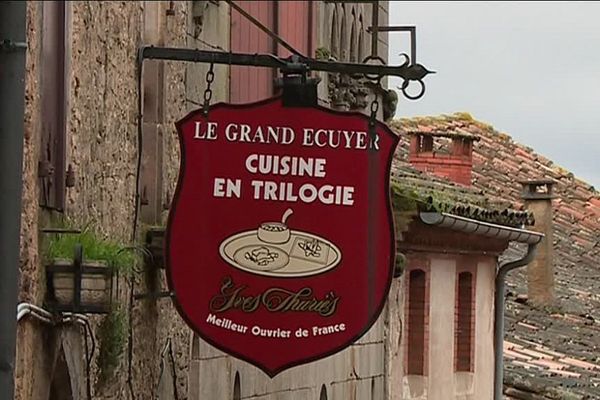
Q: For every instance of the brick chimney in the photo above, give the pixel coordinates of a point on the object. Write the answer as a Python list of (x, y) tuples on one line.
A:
[(446, 155), (540, 272)]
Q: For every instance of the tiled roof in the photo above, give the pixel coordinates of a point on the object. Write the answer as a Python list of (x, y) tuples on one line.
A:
[(570, 330), (435, 193), (459, 125)]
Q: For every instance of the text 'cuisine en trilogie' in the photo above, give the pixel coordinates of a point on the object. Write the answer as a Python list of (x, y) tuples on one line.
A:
[(266, 164)]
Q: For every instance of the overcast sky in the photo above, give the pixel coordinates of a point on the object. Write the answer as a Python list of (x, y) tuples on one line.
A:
[(530, 69)]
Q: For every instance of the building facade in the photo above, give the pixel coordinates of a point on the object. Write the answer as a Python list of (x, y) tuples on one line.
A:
[(101, 151)]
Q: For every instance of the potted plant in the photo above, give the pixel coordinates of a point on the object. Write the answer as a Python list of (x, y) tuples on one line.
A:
[(79, 271)]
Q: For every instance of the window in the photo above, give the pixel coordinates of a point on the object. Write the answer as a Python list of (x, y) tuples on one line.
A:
[(51, 163), (323, 395), (464, 326), (237, 391), (417, 313)]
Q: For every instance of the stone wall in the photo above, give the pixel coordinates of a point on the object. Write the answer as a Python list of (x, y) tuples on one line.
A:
[(355, 373), (102, 147)]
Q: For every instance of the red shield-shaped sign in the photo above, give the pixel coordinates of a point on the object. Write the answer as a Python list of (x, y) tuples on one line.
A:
[(280, 240)]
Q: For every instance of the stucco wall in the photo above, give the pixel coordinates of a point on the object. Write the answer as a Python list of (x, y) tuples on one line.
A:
[(441, 317), (484, 329)]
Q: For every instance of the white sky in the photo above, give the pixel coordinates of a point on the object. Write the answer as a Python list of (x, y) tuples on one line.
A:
[(530, 69)]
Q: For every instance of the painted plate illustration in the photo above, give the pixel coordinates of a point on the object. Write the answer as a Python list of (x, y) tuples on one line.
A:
[(303, 254)]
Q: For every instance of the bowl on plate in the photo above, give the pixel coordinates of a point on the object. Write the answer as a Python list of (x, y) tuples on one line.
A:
[(273, 232)]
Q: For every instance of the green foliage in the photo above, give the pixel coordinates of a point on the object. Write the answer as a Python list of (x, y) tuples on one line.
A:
[(94, 248), (322, 53), (400, 265), (112, 337)]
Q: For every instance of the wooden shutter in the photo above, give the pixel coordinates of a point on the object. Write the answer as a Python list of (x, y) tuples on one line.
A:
[(296, 26), (51, 166), (248, 84), (294, 21)]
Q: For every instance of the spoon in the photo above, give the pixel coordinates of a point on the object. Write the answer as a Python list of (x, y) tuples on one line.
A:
[(286, 215)]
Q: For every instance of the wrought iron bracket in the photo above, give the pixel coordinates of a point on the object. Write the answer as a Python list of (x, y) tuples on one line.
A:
[(153, 295), (407, 71), (299, 89), (61, 230), (412, 30)]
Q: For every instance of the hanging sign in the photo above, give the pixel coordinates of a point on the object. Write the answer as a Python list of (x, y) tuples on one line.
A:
[(280, 242)]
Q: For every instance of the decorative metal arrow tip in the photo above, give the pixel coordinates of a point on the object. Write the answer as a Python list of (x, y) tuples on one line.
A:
[(417, 72)]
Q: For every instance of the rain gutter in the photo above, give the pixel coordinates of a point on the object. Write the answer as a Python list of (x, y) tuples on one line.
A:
[(531, 238)]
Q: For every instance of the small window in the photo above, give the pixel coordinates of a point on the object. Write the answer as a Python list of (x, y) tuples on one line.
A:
[(417, 312), (425, 143), (464, 325), (237, 391), (323, 395), (373, 389)]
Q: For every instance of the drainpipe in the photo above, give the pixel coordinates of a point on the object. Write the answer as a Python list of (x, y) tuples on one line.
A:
[(12, 99), (503, 270)]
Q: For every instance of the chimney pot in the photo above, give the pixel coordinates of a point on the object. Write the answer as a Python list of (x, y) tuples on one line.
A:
[(537, 189), (538, 195)]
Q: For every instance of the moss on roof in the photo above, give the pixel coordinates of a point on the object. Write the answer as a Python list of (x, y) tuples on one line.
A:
[(416, 190), (455, 125)]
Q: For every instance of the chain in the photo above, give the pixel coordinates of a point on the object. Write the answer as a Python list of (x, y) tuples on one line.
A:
[(374, 109), (373, 118), (210, 77)]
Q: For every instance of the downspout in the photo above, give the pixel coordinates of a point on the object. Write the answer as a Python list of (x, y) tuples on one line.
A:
[(503, 270), (12, 105)]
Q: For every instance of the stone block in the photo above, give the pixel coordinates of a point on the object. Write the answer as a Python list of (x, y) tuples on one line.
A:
[(368, 359), (375, 334), (211, 379)]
